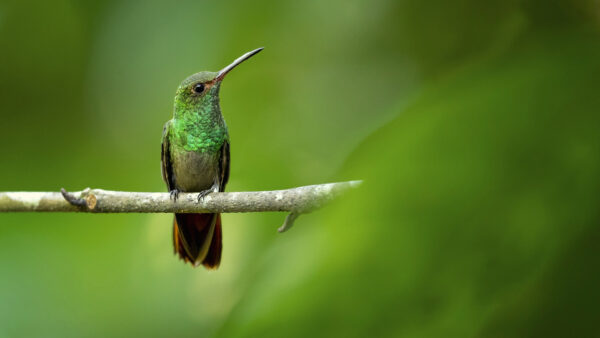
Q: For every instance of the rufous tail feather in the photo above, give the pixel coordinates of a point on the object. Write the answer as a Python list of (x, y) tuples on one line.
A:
[(197, 238)]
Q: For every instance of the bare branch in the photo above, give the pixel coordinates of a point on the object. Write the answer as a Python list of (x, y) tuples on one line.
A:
[(296, 201)]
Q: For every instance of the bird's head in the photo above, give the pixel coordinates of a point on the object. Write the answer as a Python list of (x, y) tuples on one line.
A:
[(202, 89)]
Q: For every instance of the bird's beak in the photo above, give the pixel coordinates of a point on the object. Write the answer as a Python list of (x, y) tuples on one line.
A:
[(237, 61)]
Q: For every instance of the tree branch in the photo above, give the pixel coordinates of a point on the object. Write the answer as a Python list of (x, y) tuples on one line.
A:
[(296, 201)]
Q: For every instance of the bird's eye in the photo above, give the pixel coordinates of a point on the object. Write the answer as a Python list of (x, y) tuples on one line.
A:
[(198, 88)]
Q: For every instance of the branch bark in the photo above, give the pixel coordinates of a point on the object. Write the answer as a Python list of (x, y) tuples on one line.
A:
[(296, 201)]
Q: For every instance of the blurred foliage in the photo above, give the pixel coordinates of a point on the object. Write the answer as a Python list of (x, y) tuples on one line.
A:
[(474, 125)]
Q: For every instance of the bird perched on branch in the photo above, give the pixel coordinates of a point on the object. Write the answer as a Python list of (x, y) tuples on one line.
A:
[(195, 158)]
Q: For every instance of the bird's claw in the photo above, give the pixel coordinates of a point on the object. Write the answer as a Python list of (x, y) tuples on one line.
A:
[(174, 194), (203, 193)]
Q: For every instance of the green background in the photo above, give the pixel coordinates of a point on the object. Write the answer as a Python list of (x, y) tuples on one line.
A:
[(474, 124)]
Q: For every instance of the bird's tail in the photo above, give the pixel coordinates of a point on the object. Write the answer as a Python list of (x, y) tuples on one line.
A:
[(197, 238)]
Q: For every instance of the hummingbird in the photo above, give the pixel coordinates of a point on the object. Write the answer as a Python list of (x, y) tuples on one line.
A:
[(195, 158)]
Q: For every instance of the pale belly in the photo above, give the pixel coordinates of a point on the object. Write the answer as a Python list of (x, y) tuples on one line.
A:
[(193, 171)]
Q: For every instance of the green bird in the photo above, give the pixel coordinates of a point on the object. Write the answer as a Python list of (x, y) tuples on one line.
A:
[(195, 158)]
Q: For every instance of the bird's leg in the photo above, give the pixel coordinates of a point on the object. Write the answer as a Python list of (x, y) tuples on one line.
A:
[(203, 193), (174, 194)]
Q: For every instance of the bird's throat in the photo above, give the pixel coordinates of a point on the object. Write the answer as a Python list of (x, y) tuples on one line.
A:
[(203, 130)]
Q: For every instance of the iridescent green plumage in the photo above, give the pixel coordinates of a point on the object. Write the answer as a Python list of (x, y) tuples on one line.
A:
[(195, 158), (198, 124)]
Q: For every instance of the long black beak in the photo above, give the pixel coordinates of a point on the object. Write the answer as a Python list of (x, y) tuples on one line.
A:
[(237, 61)]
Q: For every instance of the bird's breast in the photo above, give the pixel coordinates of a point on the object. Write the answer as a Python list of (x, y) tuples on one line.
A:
[(194, 171)]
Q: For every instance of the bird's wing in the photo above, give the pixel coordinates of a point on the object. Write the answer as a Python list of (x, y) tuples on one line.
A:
[(165, 153), (213, 256), (224, 165)]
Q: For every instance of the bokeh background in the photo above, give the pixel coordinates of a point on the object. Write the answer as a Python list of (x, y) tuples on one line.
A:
[(474, 124)]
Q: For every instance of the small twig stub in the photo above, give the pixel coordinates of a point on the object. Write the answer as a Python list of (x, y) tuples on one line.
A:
[(289, 221), (76, 201)]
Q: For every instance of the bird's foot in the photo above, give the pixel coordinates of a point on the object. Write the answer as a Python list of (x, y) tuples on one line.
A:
[(203, 193), (174, 194)]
